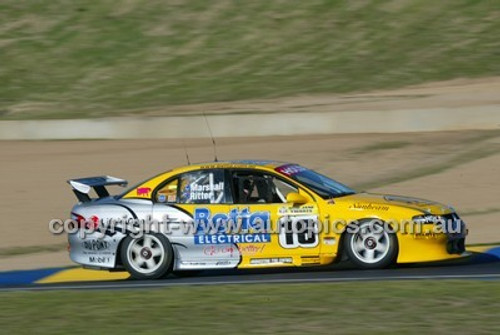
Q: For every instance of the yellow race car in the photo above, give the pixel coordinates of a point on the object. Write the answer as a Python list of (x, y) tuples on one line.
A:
[(253, 214)]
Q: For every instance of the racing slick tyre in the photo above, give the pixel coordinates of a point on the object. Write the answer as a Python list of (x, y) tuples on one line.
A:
[(147, 257), (370, 246)]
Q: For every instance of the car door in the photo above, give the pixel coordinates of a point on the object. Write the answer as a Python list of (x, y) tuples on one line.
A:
[(194, 202), (293, 238)]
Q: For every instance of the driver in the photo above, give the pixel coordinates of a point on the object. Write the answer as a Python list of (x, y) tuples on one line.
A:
[(246, 189)]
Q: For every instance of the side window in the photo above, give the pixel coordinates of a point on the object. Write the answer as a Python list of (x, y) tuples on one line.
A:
[(283, 188), (202, 187), (255, 187), (168, 193)]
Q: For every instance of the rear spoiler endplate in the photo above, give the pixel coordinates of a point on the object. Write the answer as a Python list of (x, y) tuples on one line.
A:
[(82, 186)]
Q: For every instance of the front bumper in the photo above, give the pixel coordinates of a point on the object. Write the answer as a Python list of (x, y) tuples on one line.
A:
[(430, 246)]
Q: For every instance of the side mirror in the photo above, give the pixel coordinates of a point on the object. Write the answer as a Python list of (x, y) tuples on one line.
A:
[(296, 198)]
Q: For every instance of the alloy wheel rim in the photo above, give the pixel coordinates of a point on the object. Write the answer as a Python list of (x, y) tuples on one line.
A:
[(371, 243), (146, 254)]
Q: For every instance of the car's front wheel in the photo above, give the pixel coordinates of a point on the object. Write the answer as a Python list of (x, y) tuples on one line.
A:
[(147, 257), (370, 245)]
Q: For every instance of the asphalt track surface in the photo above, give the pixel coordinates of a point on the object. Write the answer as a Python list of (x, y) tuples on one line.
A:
[(474, 267)]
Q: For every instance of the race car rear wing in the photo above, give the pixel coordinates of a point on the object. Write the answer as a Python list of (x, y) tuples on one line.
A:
[(82, 186)]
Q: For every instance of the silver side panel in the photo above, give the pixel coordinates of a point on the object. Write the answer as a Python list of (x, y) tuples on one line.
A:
[(191, 256), (100, 250)]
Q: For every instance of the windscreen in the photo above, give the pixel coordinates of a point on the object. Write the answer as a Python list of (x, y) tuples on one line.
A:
[(322, 185)]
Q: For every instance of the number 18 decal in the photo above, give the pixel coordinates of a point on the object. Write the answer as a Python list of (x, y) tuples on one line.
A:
[(298, 232)]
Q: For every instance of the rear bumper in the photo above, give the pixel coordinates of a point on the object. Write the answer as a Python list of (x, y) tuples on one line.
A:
[(95, 250)]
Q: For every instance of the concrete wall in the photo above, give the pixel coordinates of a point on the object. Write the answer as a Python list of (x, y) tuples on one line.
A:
[(239, 125)]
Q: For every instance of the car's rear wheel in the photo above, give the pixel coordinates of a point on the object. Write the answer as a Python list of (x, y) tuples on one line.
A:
[(370, 246), (147, 257)]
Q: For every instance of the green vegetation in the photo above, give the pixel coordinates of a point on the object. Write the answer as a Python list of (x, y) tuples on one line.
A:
[(101, 58), (345, 308)]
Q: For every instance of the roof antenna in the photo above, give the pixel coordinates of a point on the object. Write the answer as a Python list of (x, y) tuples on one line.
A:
[(185, 151), (211, 136)]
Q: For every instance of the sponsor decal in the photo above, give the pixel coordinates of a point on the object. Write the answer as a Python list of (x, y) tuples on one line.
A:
[(143, 191), (99, 259), (202, 187), (298, 232), (196, 192), (95, 245), (329, 241), (310, 260), (290, 169), (361, 206), (235, 220), (251, 249), (282, 260), (255, 162), (232, 238), (234, 227), (426, 235), (219, 250), (194, 263), (287, 210), (162, 198)]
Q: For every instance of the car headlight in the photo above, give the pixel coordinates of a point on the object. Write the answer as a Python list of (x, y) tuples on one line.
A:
[(423, 219)]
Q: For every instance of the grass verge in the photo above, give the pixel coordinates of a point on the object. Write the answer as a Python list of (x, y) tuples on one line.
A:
[(82, 58), (410, 307)]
